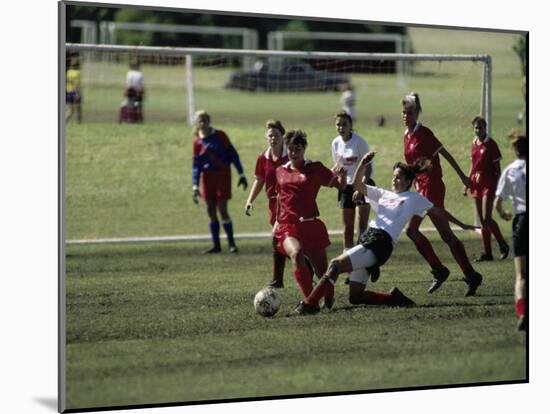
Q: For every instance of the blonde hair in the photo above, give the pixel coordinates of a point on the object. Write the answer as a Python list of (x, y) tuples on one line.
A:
[(201, 113), (411, 101)]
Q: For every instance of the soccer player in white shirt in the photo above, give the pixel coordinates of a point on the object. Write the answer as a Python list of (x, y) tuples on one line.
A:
[(394, 210), (512, 184), (131, 108), (348, 100), (347, 150)]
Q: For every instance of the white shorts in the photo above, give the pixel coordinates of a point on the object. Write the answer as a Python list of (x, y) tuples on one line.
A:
[(360, 258)]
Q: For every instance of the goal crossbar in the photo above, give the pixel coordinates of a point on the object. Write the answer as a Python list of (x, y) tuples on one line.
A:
[(182, 51)]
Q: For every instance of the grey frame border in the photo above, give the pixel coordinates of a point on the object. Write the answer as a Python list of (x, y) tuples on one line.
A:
[(62, 299)]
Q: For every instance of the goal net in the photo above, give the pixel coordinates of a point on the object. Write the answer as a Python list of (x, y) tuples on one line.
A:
[(302, 89)]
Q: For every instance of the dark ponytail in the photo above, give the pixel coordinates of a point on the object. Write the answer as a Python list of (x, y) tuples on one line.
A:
[(410, 171)]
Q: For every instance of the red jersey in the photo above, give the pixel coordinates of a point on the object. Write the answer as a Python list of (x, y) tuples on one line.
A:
[(484, 158), (265, 169), (484, 175), (297, 190), (421, 142)]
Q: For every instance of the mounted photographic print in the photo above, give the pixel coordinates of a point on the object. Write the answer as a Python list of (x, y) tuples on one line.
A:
[(262, 206)]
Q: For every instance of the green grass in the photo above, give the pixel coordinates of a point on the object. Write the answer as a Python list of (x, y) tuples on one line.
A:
[(153, 323)]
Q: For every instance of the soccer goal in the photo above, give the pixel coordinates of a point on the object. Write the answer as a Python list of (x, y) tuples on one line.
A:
[(307, 85)]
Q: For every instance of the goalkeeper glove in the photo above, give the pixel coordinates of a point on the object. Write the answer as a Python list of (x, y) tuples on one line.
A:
[(196, 194), (242, 182)]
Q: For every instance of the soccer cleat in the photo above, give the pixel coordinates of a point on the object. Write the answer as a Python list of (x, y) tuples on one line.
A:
[(214, 249), (233, 249), (276, 284), (306, 309), (483, 257), (329, 303), (473, 280), (399, 298), (522, 324), (374, 273), (440, 276), (504, 250)]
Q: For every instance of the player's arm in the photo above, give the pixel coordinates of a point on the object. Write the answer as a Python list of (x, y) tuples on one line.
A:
[(450, 159), (233, 157), (499, 207), (446, 215), (503, 190), (257, 186), (360, 172), (465, 189), (196, 170)]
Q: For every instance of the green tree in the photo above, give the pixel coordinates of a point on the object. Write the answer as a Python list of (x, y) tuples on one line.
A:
[(521, 50)]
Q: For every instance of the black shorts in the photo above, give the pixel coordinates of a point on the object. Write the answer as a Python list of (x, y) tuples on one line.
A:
[(519, 234), (379, 242), (72, 98), (345, 197)]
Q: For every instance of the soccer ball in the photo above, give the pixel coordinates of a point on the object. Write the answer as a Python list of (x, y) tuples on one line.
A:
[(267, 302)]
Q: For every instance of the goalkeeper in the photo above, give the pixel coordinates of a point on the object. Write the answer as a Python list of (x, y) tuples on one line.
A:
[(212, 155)]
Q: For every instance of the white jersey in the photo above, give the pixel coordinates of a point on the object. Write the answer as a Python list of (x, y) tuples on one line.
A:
[(134, 79), (348, 153), (512, 184), (394, 210)]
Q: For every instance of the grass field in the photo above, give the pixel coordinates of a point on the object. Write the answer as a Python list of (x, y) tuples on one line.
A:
[(157, 323), (152, 323)]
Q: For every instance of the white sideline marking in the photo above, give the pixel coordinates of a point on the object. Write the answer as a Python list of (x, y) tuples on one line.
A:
[(198, 237)]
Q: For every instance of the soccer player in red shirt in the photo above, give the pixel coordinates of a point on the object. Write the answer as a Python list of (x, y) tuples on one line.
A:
[(419, 141), (267, 163), (484, 174), (299, 232), (212, 155)]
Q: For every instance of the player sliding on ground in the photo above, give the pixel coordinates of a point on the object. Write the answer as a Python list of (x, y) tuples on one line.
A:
[(395, 209)]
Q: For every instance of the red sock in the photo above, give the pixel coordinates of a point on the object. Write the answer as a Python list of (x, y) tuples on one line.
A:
[(324, 288), (520, 307), (425, 248), (459, 253), (371, 297), (278, 266), (486, 240), (305, 280), (495, 229)]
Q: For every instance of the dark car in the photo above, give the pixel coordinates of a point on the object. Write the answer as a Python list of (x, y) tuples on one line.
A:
[(297, 77)]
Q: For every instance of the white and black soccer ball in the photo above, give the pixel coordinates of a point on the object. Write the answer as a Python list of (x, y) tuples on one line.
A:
[(267, 302)]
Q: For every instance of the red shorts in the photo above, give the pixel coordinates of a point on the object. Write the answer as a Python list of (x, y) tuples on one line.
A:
[(216, 185), (313, 235), (433, 190), (482, 186)]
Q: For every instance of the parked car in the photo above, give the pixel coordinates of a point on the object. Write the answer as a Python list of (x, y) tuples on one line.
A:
[(296, 76)]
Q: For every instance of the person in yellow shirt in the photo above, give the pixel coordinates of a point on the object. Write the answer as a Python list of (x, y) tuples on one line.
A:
[(73, 97)]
